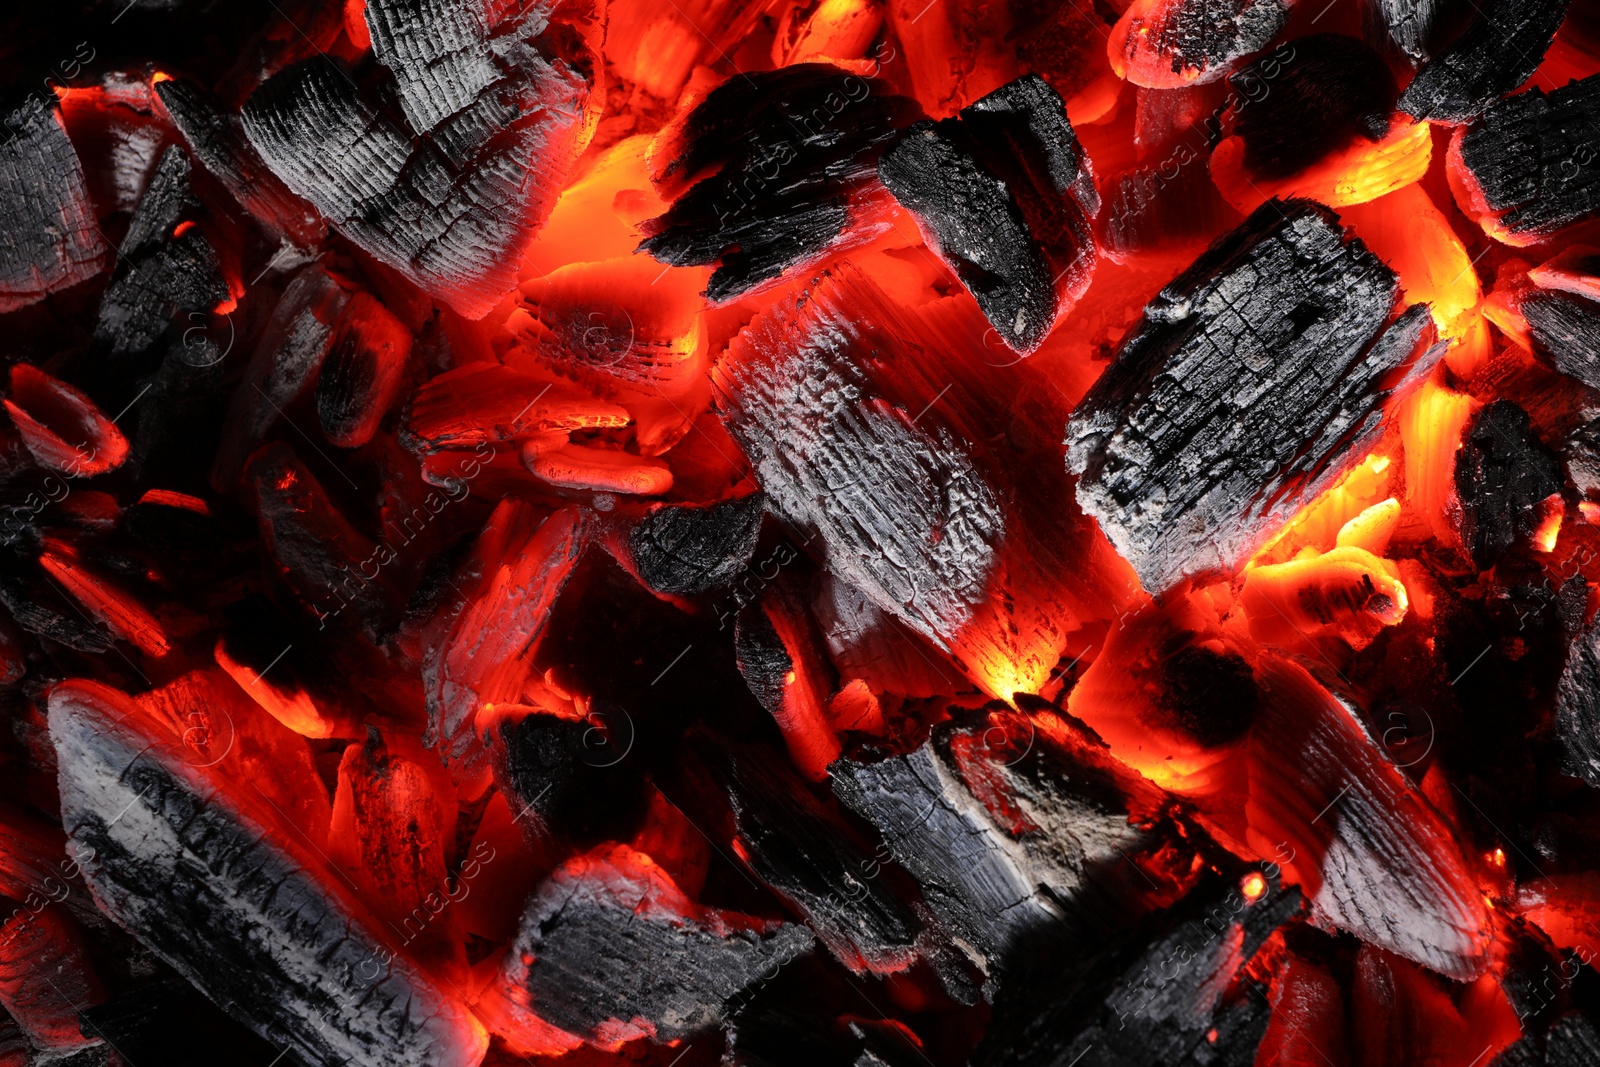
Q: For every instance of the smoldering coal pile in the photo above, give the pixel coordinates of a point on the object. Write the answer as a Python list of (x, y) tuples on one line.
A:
[(792, 533)]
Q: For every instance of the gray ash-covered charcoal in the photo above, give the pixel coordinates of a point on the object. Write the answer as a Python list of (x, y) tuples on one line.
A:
[(610, 949), (1022, 849), (1004, 193), (1498, 51), (49, 238), (1503, 473), (1251, 381)]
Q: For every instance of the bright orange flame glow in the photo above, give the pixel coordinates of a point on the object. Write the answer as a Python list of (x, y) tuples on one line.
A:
[(1544, 538), (1364, 171), (1431, 423), (1254, 886)]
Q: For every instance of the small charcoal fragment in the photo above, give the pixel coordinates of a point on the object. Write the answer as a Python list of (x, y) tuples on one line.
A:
[(1503, 472), (684, 551), (211, 859), (1529, 165), (1173, 44), (813, 861), (610, 949), (1181, 998), (797, 149), (49, 239), (1333, 89), (163, 268), (1410, 26), (1004, 193), (1499, 51), (363, 372), (1251, 381), (562, 780)]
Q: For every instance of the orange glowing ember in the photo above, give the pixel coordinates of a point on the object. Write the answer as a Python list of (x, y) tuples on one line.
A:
[(1254, 886)]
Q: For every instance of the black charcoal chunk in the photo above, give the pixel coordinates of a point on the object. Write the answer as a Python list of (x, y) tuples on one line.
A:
[(1004, 193), (609, 947), (1333, 89), (684, 551), (1168, 1001), (449, 190), (217, 887), (1411, 27), (1535, 161), (49, 239), (796, 148), (1503, 472), (1578, 707), (1203, 38), (165, 268), (1250, 378), (1035, 870), (1566, 328), (52, 617), (1499, 50), (812, 860), (1573, 1041), (564, 778)]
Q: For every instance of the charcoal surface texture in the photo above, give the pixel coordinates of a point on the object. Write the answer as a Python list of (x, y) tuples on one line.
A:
[(1503, 472), (1566, 328), (1249, 379), (1411, 26), (1499, 50), (1199, 40), (1578, 707), (608, 942), (227, 899), (1007, 886), (689, 550), (49, 240), (1004, 193), (796, 147), (1294, 112), (813, 861), (450, 189), (1533, 160), (160, 272), (1169, 1000)]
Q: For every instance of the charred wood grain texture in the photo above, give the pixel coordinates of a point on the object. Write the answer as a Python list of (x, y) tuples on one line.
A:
[(451, 189), (219, 888), (1251, 379), (1168, 43), (49, 239), (161, 271), (1411, 27), (1532, 159), (1499, 50), (813, 861), (922, 463), (1015, 849), (1565, 327), (1004, 193), (1578, 707)]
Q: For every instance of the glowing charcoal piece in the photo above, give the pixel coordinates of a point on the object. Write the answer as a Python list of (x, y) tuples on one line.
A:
[(1254, 379), (1497, 52), (1169, 44), (1503, 473)]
